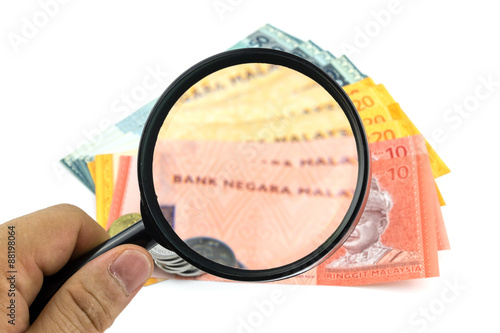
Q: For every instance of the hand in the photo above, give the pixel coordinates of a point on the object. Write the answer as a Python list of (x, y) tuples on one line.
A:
[(92, 298)]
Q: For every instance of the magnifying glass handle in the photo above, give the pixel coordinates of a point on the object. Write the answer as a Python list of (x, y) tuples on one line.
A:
[(136, 234)]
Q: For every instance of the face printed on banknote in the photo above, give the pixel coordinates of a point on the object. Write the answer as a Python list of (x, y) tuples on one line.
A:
[(368, 231), (364, 246)]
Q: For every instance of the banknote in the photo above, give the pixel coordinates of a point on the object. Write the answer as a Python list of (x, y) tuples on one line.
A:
[(126, 168), (376, 115), (104, 170), (402, 177), (303, 154), (104, 184), (324, 56), (293, 129), (123, 164), (382, 149), (396, 236), (125, 135), (354, 87), (270, 37), (400, 128), (327, 122), (415, 145), (223, 84), (214, 184), (344, 62), (222, 165), (365, 97), (308, 126), (119, 135), (283, 93)]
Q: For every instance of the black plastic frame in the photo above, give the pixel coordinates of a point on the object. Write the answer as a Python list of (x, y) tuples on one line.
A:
[(153, 218)]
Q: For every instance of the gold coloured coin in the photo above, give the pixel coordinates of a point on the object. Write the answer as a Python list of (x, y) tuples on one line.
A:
[(123, 222)]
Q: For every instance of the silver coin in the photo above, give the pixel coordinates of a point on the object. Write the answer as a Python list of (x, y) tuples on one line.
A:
[(178, 265), (178, 268), (214, 250), (163, 268), (192, 273), (159, 252), (161, 264), (210, 248), (172, 261), (174, 269)]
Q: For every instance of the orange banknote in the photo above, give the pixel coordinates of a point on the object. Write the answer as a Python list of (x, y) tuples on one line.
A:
[(258, 199), (291, 195), (396, 236), (403, 192), (414, 145)]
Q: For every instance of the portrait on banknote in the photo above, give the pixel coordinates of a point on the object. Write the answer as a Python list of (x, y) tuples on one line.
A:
[(364, 246)]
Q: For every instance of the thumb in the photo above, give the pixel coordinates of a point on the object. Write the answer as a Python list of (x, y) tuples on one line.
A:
[(92, 298)]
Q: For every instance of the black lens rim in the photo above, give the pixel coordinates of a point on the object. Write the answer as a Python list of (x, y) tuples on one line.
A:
[(153, 218)]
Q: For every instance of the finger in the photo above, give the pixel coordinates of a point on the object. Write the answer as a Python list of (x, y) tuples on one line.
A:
[(95, 295), (48, 239)]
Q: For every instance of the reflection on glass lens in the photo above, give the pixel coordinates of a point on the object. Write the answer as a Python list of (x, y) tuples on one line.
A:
[(260, 164)]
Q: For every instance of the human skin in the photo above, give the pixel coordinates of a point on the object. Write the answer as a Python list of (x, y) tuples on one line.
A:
[(93, 297)]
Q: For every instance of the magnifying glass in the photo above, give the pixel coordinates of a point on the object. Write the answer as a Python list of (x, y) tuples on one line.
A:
[(263, 161)]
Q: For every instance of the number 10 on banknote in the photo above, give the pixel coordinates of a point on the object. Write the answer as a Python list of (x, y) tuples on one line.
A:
[(265, 200)]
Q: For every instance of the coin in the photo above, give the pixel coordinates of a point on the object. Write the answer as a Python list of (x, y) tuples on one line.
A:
[(170, 262), (214, 250), (193, 272), (161, 253), (175, 270), (123, 222)]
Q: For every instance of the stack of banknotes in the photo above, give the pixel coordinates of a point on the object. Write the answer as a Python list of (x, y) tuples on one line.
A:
[(402, 228)]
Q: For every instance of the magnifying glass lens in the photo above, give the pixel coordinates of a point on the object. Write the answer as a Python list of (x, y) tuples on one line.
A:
[(260, 164), (253, 166)]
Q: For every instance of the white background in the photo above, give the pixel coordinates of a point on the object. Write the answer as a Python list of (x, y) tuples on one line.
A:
[(56, 88)]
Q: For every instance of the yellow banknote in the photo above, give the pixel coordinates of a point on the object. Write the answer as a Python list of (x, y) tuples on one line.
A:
[(366, 97), (312, 126), (104, 186), (283, 93), (104, 172), (377, 116), (291, 94), (219, 85), (307, 126), (400, 128), (290, 129), (361, 84), (381, 114)]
